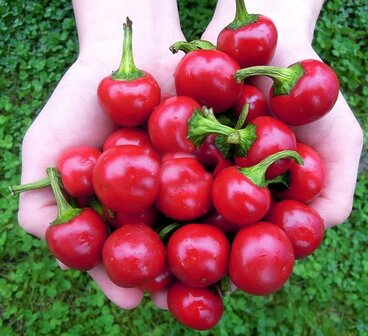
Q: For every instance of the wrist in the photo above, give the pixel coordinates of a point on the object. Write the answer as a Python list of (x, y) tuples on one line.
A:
[(101, 22)]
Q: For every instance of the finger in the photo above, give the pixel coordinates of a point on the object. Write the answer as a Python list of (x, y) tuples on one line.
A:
[(332, 211), (126, 298), (37, 208), (338, 138), (336, 200), (160, 299)]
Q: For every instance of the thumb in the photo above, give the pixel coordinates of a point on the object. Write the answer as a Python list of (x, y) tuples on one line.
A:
[(160, 299), (126, 298)]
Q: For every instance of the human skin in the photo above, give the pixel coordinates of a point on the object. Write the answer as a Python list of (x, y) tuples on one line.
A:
[(72, 116)]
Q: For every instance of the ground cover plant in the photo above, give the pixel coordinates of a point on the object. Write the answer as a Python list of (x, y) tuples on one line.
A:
[(326, 294)]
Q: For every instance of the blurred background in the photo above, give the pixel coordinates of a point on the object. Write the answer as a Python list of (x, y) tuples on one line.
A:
[(327, 293)]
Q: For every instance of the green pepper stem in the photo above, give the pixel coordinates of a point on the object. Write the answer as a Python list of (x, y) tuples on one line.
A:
[(95, 204), (257, 172), (17, 189), (284, 78), (223, 287), (243, 115), (191, 46), (166, 231), (203, 123), (65, 211), (281, 179), (127, 69), (247, 136), (242, 17)]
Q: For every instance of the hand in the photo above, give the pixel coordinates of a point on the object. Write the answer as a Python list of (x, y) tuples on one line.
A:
[(72, 115), (337, 137)]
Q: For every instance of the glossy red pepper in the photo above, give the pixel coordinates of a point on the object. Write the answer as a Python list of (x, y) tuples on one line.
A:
[(196, 308), (133, 255), (76, 236), (184, 189), (198, 254), (126, 178), (305, 182), (78, 242), (241, 195), (208, 77), (301, 93), (302, 224), (75, 166), (167, 125), (261, 260), (129, 95), (250, 39)]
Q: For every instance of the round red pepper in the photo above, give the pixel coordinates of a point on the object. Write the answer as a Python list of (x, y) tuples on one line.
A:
[(196, 308), (167, 125), (129, 95), (302, 224), (198, 254), (133, 255), (241, 195), (78, 242), (261, 259), (250, 39), (126, 178), (76, 236), (302, 93), (305, 182), (184, 189), (208, 77), (75, 166)]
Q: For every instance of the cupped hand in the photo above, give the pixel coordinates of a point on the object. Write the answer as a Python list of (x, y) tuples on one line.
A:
[(72, 115), (337, 137)]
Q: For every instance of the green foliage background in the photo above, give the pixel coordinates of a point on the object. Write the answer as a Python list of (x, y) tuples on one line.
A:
[(327, 294)]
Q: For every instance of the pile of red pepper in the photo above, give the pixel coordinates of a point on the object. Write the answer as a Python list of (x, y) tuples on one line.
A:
[(207, 186)]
